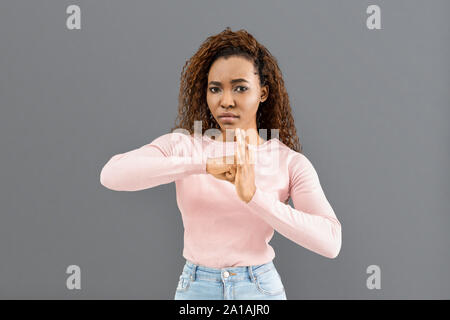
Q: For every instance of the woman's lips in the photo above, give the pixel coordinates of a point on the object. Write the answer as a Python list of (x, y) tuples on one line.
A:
[(228, 119)]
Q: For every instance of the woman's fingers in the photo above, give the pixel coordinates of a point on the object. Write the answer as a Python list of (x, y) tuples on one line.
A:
[(240, 149), (243, 145), (236, 151), (220, 164), (247, 154), (230, 175), (224, 171), (222, 176)]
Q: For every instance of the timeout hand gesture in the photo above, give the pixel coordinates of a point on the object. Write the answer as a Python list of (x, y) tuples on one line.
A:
[(240, 171)]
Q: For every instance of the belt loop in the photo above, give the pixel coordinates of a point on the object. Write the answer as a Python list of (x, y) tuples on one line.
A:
[(250, 272), (194, 269)]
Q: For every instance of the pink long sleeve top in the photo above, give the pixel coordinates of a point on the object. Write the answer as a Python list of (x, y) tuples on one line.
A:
[(221, 230)]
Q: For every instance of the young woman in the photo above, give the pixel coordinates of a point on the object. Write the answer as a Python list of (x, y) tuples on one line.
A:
[(233, 191)]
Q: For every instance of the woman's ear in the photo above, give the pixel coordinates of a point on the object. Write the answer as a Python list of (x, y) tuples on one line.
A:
[(264, 93)]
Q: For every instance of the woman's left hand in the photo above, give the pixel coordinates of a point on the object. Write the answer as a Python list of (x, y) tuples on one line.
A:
[(244, 179)]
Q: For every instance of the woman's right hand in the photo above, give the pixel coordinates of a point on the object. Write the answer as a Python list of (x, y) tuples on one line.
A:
[(222, 168)]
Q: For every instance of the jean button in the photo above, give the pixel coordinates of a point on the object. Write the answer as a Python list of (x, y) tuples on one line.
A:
[(226, 274)]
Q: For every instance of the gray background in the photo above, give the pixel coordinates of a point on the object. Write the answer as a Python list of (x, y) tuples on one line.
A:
[(371, 108)]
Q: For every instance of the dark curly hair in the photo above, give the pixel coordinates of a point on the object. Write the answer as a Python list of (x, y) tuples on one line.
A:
[(273, 113)]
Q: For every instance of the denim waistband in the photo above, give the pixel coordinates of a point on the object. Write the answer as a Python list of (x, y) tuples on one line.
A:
[(196, 271)]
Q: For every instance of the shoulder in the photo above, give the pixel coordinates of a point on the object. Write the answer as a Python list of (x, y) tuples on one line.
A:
[(302, 171), (173, 142), (295, 160), (173, 137)]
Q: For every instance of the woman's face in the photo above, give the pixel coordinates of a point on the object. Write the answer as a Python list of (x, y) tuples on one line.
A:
[(234, 87)]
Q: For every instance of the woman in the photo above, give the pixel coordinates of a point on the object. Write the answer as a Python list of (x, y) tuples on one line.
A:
[(235, 194)]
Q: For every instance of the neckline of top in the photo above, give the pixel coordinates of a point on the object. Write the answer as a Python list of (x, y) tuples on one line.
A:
[(259, 146)]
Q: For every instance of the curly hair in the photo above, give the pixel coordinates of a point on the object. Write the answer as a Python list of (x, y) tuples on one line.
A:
[(273, 113)]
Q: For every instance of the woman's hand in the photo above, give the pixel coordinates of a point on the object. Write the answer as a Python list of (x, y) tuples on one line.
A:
[(245, 168), (238, 169), (222, 168)]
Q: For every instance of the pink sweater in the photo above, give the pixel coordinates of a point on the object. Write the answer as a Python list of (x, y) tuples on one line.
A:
[(221, 230)]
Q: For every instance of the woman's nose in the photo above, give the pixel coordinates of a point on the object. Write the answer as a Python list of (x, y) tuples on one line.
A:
[(227, 99)]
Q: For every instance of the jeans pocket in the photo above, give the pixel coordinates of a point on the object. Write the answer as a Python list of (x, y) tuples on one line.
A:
[(183, 283), (269, 282)]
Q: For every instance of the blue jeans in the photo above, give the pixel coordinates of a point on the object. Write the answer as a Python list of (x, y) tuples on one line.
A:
[(259, 282)]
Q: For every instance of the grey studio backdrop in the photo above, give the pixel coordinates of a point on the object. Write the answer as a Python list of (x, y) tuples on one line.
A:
[(371, 108)]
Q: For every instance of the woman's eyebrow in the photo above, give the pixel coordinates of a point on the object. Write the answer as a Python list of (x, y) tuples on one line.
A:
[(218, 83)]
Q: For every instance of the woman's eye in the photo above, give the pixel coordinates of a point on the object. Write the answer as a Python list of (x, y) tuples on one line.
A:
[(212, 89)]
